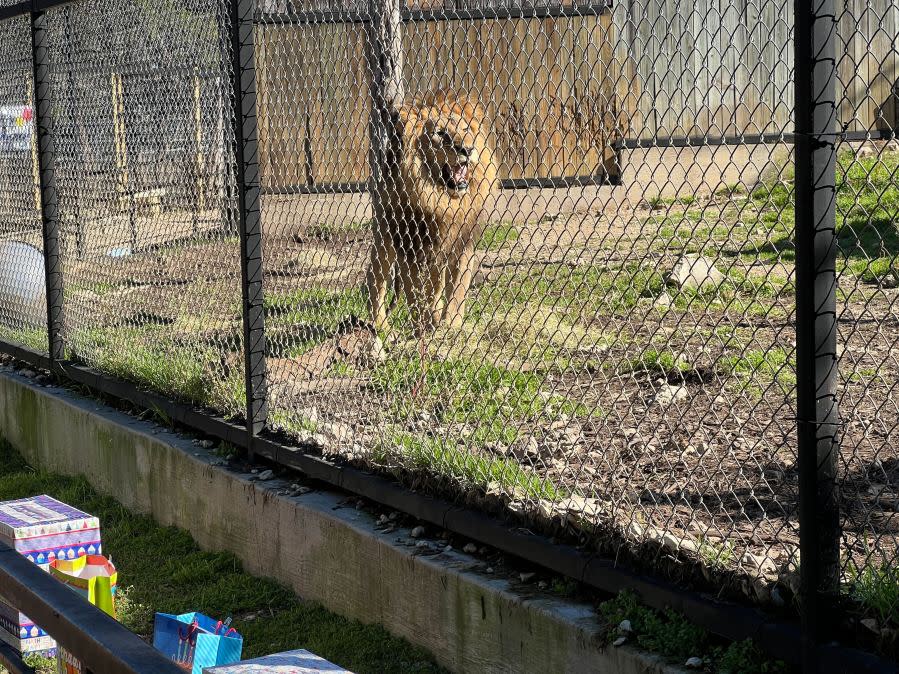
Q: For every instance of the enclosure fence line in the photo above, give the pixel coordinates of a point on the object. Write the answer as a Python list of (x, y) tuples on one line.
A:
[(815, 141)]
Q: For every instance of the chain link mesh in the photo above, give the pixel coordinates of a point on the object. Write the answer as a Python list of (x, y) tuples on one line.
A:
[(573, 300), (23, 312), (625, 365), (868, 276), (145, 161)]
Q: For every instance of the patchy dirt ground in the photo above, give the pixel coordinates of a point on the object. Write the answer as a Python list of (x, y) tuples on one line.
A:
[(585, 387)]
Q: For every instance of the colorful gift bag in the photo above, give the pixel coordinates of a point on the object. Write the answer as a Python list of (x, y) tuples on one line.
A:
[(195, 641), (92, 576), (95, 578), (291, 662)]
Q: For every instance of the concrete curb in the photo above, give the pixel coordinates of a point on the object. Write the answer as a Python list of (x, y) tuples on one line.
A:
[(327, 552)]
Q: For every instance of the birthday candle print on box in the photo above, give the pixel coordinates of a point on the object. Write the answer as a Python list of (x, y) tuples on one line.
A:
[(42, 529)]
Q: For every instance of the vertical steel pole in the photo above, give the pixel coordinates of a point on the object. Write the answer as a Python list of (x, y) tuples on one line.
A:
[(46, 157), (816, 320), (247, 159)]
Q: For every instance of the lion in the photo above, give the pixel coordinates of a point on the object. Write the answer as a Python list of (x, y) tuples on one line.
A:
[(438, 179)]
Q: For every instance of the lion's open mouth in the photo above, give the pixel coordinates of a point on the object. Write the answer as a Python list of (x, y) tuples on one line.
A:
[(456, 177)]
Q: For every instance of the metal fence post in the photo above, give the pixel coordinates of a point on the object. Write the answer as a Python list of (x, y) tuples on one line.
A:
[(247, 160), (816, 320), (46, 158)]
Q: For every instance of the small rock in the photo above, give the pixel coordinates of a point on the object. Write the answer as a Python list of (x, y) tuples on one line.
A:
[(300, 491), (254, 471), (527, 577), (871, 624), (422, 544), (418, 532), (624, 627), (266, 475), (532, 448), (667, 394), (448, 548), (663, 301), (470, 549), (383, 520), (218, 462), (489, 569), (206, 444), (393, 516), (693, 271), (620, 641), (28, 373), (542, 585), (866, 150), (693, 663)]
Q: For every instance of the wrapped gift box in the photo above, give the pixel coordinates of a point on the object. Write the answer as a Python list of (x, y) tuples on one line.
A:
[(42, 529), (291, 662)]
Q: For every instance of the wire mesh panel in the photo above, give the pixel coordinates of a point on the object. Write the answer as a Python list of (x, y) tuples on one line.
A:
[(506, 325), (151, 256), (868, 240), (23, 312)]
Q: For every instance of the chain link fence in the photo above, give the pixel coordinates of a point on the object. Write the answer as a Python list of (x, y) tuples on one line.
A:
[(538, 258)]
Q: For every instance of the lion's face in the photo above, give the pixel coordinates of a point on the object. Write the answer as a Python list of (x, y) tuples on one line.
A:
[(450, 153), (444, 159)]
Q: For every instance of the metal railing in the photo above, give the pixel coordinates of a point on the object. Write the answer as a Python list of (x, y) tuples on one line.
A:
[(98, 641)]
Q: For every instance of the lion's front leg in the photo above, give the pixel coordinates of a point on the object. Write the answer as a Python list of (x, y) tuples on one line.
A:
[(383, 257), (459, 274)]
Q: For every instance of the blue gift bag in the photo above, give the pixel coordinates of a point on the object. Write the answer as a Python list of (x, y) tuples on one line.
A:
[(195, 641)]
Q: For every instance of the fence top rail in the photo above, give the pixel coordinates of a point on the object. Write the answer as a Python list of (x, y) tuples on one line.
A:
[(96, 639), (24, 8), (407, 15)]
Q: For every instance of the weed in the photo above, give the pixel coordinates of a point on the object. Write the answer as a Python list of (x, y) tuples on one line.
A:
[(672, 636), (876, 588), (460, 464), (717, 555), (564, 586)]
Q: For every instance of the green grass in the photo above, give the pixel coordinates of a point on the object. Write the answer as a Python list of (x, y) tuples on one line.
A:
[(876, 588), (760, 369), (672, 636), (163, 569), (328, 231), (760, 227), (715, 554), (490, 397), (320, 310), (497, 236), (148, 356), (323, 307), (462, 466), (652, 360), (579, 291), (33, 338)]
